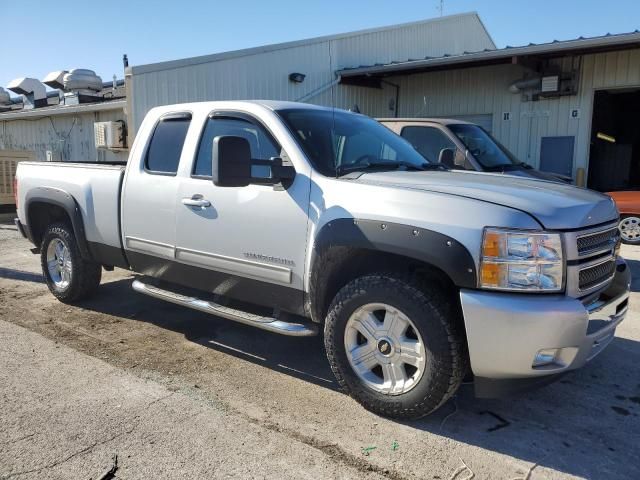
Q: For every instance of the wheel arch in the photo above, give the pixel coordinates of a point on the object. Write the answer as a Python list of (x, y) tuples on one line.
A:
[(347, 248), (44, 206)]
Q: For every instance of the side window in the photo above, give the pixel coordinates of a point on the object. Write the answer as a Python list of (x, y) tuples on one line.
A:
[(428, 141), (167, 140), (263, 146)]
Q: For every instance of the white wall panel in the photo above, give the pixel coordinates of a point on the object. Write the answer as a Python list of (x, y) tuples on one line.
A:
[(72, 135), (262, 73)]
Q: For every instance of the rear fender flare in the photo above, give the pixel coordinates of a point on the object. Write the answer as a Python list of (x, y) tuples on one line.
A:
[(64, 200)]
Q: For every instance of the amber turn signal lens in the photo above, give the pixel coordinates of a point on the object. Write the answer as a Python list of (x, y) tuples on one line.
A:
[(491, 245), (490, 274)]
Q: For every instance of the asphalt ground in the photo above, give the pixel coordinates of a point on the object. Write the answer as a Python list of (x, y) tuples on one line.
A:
[(179, 394)]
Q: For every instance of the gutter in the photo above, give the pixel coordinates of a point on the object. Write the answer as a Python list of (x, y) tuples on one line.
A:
[(64, 110)]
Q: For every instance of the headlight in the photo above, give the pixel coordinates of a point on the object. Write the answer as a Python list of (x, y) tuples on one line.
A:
[(521, 260)]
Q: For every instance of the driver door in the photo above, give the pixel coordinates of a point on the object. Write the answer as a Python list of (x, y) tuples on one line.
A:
[(247, 242)]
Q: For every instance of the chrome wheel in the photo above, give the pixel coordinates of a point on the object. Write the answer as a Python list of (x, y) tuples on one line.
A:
[(630, 229), (384, 348), (59, 263)]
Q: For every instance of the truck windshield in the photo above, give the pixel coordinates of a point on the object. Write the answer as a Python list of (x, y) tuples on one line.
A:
[(339, 142), (486, 149)]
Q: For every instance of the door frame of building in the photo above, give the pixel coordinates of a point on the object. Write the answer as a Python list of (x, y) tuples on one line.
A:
[(633, 86)]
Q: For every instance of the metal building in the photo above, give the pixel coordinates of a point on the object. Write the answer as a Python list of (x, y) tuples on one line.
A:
[(266, 72), (59, 125), (566, 107)]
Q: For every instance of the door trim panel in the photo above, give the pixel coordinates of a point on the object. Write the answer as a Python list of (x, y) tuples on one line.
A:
[(150, 247), (257, 292), (245, 268)]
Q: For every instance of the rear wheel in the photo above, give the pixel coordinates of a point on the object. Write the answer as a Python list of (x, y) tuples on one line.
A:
[(630, 230), (395, 347), (68, 276)]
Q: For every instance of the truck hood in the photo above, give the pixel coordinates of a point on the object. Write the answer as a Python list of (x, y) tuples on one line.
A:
[(556, 206)]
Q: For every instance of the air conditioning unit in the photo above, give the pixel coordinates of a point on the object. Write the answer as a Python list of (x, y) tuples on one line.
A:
[(110, 135)]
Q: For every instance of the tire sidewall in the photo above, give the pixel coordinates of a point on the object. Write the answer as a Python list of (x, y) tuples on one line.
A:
[(61, 232), (426, 319), (628, 242)]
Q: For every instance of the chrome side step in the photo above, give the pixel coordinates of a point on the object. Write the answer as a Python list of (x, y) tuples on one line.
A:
[(265, 323)]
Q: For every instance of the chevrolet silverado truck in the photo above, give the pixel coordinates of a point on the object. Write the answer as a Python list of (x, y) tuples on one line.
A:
[(298, 219), (464, 145)]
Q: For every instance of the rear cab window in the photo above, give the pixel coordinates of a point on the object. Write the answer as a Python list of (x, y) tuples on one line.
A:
[(428, 141), (165, 146)]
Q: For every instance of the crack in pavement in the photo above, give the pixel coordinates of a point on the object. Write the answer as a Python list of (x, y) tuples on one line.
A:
[(136, 419)]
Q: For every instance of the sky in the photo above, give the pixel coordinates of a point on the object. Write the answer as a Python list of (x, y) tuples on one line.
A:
[(38, 37)]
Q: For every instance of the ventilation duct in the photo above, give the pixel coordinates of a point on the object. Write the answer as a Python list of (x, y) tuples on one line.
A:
[(55, 80), (82, 79), (525, 84), (5, 98), (82, 86), (33, 92)]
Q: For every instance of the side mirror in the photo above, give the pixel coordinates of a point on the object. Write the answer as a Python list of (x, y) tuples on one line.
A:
[(280, 171), (460, 160), (231, 162), (446, 157)]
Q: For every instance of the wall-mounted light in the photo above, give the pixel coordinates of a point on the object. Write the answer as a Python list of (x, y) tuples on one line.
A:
[(297, 77)]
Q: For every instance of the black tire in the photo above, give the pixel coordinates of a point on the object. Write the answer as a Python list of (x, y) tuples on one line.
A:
[(635, 220), (438, 321), (85, 275)]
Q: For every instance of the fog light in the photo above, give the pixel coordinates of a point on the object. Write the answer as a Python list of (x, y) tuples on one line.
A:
[(545, 357)]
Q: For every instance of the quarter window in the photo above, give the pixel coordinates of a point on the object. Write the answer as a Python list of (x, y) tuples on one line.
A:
[(165, 147), (428, 141), (263, 146)]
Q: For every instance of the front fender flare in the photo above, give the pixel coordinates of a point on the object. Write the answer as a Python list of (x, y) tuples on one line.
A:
[(433, 248)]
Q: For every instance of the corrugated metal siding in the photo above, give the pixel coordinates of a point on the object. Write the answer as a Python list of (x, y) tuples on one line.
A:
[(264, 75), (70, 134), (484, 90)]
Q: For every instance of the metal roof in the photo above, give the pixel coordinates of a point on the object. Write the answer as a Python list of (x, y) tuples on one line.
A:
[(53, 110), (184, 62), (555, 48)]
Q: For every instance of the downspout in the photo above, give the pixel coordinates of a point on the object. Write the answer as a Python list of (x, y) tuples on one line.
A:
[(397, 87)]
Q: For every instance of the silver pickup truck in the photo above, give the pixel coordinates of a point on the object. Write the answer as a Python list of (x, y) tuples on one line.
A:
[(295, 218)]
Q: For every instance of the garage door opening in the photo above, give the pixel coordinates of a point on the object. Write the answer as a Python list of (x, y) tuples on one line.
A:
[(614, 159)]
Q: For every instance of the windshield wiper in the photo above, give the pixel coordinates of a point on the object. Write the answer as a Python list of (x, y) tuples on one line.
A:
[(362, 166)]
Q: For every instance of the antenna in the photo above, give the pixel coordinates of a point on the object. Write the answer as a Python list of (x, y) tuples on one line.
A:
[(441, 7)]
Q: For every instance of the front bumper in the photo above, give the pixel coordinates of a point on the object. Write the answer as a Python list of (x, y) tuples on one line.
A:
[(505, 331)]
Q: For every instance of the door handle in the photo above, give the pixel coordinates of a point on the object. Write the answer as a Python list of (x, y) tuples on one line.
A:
[(196, 201)]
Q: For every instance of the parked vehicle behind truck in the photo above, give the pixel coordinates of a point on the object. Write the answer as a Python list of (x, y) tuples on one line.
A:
[(295, 219), (464, 145)]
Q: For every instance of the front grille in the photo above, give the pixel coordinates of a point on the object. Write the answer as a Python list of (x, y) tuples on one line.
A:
[(592, 276), (597, 241)]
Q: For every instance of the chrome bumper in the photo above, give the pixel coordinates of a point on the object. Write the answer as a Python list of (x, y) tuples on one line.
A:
[(505, 331)]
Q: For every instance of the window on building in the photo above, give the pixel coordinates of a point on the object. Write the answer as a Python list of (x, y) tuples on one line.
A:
[(263, 146), (163, 155)]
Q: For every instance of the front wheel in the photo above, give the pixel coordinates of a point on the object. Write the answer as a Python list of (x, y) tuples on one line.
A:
[(395, 347), (630, 230), (68, 276)]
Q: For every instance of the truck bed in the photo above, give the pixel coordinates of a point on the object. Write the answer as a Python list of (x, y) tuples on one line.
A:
[(95, 186)]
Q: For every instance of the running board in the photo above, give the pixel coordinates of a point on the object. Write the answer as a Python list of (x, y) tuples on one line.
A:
[(259, 321)]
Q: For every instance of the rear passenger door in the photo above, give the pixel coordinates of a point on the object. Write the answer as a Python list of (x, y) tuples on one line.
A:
[(149, 197)]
